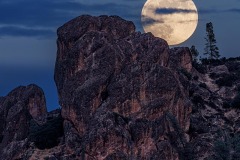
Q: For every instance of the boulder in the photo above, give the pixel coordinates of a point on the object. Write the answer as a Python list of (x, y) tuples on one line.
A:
[(221, 69)]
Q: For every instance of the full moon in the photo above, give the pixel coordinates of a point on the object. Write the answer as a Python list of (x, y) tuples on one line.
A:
[(173, 20)]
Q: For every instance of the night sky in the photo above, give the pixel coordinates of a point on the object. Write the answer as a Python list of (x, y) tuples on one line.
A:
[(28, 34)]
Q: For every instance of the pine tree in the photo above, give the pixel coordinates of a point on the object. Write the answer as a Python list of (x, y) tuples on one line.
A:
[(194, 53), (211, 49)]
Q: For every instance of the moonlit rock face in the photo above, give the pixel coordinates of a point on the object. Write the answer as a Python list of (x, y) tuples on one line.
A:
[(115, 86), (173, 20)]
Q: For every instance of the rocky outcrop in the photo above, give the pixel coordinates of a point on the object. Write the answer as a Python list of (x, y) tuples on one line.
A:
[(16, 110), (221, 69), (180, 57), (214, 128), (120, 94), (125, 95)]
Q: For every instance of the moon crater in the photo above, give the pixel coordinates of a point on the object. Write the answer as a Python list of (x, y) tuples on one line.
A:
[(173, 20)]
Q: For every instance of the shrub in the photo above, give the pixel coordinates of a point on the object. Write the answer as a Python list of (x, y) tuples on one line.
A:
[(234, 58), (205, 61), (213, 62), (226, 80), (217, 62), (233, 66), (200, 67), (227, 147), (186, 73), (197, 100), (227, 104), (222, 150), (236, 101)]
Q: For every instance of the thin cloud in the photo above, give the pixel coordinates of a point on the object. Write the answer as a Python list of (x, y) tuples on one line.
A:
[(146, 21), (29, 32), (173, 10), (235, 10), (208, 11), (215, 11), (188, 21), (52, 14)]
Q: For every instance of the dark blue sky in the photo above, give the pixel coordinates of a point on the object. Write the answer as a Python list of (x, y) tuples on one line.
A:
[(28, 34)]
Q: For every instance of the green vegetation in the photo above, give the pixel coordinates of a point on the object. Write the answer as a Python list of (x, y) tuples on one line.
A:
[(83, 152), (194, 53), (221, 148), (226, 80), (233, 65), (211, 50), (213, 62), (186, 73), (200, 67), (234, 103), (227, 147)]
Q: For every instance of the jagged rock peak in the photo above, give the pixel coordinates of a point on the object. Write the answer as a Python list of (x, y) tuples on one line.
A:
[(32, 96), (113, 25), (119, 92)]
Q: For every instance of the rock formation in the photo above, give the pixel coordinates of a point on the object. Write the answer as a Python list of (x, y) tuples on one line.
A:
[(117, 88), (125, 95), (214, 129), (16, 110)]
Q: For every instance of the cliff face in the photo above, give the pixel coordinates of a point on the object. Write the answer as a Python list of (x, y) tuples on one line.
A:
[(121, 91)]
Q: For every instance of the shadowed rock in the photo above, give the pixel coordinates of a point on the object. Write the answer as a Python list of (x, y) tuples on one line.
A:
[(16, 110)]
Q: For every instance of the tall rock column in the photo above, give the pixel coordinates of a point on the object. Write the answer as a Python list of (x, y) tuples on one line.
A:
[(117, 90)]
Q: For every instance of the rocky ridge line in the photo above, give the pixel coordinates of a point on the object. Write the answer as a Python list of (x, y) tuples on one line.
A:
[(125, 95)]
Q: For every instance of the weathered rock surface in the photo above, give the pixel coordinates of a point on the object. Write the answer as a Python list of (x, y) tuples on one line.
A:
[(180, 57), (125, 95), (219, 69), (16, 110), (120, 93), (214, 128)]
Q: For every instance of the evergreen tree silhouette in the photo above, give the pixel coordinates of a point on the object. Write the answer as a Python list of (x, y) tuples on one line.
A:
[(211, 49), (194, 53)]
